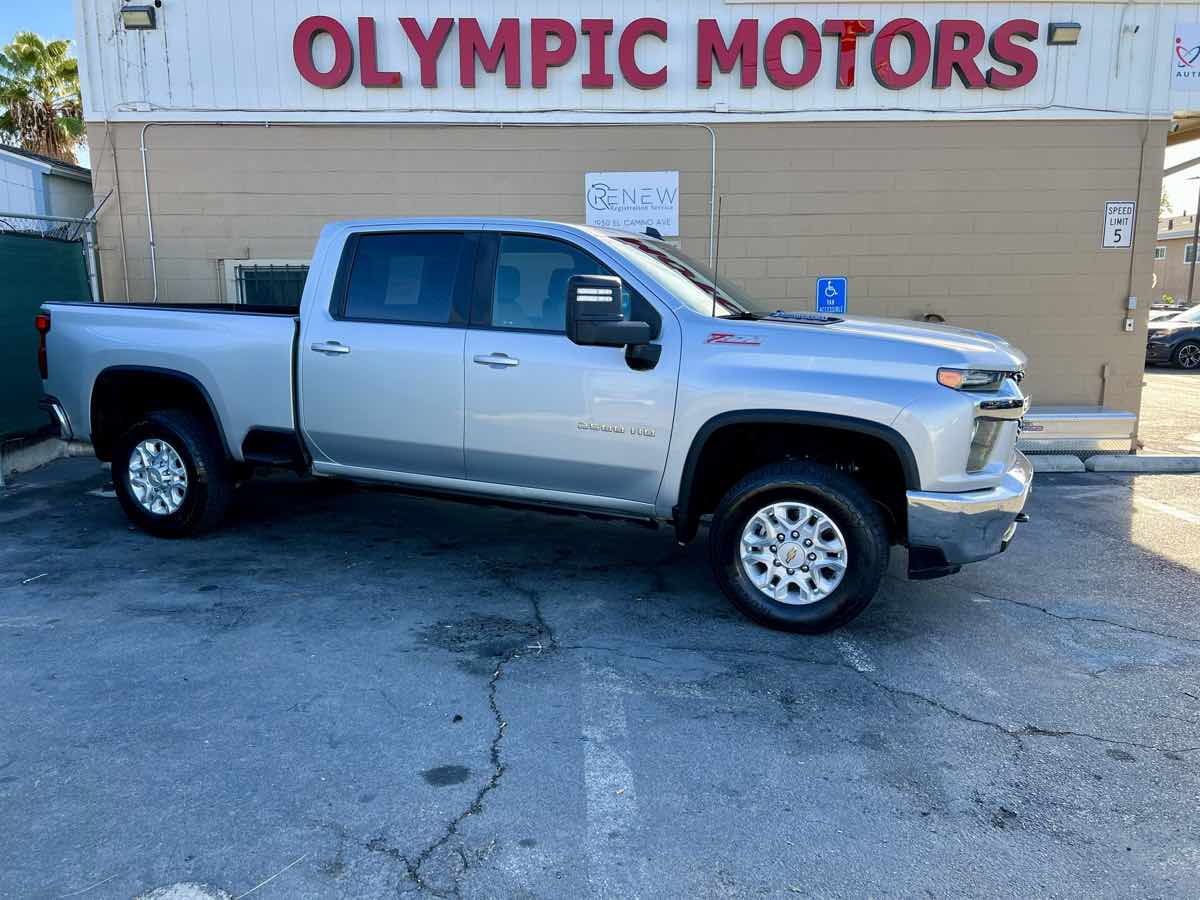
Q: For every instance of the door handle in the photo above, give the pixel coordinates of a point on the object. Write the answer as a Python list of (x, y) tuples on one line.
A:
[(331, 347), (496, 359)]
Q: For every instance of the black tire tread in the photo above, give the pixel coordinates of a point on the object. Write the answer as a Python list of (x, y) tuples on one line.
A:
[(212, 473), (857, 504)]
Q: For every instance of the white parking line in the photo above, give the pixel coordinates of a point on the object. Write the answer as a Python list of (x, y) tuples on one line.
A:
[(1166, 509), (1072, 492), (616, 865), (854, 654), (1145, 503)]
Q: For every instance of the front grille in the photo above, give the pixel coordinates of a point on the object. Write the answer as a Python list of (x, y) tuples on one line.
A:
[(983, 441)]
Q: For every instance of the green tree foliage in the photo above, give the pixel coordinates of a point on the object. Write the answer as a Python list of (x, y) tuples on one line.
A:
[(39, 95)]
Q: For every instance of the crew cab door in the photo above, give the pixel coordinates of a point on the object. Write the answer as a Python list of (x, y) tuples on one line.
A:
[(545, 413), (381, 369)]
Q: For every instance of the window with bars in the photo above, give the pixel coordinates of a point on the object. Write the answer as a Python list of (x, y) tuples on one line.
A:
[(1189, 253), (1160, 252), (265, 282)]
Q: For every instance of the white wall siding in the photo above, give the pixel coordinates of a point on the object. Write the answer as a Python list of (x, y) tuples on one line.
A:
[(231, 60), (21, 186)]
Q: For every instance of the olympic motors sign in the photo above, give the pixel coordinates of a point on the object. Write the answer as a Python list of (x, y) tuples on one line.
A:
[(899, 53)]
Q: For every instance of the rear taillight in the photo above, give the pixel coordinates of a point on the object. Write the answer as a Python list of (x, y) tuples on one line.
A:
[(42, 323)]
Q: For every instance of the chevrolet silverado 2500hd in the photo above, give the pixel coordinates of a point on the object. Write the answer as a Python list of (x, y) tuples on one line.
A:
[(557, 365)]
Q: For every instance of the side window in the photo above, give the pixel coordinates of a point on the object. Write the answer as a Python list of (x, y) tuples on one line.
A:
[(407, 277), (531, 281)]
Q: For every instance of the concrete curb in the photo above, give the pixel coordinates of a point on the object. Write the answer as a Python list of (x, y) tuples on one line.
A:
[(1144, 464), (34, 456), (1056, 462)]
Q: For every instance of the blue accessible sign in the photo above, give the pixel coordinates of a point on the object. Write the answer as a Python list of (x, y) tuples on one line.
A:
[(831, 294)]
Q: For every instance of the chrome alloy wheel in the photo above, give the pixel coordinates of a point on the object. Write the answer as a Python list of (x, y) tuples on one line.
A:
[(157, 477), (793, 553), (1189, 356)]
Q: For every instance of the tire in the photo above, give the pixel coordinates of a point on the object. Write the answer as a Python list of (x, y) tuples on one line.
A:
[(1187, 356), (858, 527), (198, 455)]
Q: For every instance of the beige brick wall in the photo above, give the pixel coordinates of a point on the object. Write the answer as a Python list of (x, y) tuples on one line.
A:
[(994, 225)]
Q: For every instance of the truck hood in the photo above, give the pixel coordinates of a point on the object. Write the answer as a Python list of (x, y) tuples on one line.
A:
[(944, 344)]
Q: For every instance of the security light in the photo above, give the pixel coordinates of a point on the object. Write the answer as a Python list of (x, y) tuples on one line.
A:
[(1063, 33), (138, 17)]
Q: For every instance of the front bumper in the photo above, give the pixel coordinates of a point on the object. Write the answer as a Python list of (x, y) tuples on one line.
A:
[(1159, 352), (946, 531)]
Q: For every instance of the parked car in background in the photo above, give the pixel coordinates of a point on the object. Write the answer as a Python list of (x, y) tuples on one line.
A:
[(1175, 341), (556, 365), (1158, 315)]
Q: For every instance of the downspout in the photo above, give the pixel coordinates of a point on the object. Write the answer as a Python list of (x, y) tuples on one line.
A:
[(712, 200), (149, 212), (712, 192)]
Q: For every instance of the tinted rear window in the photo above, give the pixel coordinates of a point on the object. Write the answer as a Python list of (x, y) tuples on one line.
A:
[(405, 277)]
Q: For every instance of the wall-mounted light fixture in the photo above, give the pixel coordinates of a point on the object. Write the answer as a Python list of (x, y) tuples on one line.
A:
[(1063, 33), (138, 17)]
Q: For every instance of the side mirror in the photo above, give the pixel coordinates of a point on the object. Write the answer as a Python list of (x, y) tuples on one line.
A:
[(594, 315)]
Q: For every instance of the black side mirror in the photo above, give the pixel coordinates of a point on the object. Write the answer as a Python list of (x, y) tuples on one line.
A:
[(594, 315)]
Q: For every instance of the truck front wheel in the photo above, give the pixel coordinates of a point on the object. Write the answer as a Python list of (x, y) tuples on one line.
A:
[(171, 475), (798, 547)]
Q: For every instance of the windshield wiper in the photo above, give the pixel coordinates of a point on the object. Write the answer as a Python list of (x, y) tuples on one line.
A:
[(741, 316)]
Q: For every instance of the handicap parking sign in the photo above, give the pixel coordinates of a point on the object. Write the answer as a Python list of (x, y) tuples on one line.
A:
[(831, 294)]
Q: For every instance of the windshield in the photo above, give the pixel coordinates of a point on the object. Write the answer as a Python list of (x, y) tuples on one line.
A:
[(1192, 315), (688, 279)]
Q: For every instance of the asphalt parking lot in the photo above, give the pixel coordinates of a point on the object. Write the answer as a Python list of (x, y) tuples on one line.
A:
[(357, 694), (1170, 417)]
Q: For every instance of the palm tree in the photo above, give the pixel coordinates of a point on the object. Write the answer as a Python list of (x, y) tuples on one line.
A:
[(39, 93)]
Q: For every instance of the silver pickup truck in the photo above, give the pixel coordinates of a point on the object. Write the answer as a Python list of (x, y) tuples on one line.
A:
[(562, 366)]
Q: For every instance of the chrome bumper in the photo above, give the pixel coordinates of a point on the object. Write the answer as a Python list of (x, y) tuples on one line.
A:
[(58, 416), (947, 530)]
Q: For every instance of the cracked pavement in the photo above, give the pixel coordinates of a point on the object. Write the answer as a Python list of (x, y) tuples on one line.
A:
[(361, 694)]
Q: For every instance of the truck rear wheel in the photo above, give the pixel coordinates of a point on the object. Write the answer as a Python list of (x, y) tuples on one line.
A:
[(798, 547), (171, 475)]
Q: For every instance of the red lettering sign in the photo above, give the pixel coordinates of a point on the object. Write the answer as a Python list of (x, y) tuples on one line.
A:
[(472, 45), (1005, 60), (597, 30), (1023, 60), (429, 48), (541, 56), (626, 53), (847, 32), (343, 51), (949, 57), (773, 53), (370, 74), (711, 46), (918, 50)]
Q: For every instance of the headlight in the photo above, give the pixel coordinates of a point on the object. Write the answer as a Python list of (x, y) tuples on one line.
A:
[(1154, 335), (971, 379)]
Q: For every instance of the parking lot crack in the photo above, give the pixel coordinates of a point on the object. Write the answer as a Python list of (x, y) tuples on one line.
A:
[(1015, 733), (1025, 730), (414, 866), (1097, 620)]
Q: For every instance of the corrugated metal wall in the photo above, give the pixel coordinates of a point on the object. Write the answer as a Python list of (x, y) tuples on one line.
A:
[(227, 60)]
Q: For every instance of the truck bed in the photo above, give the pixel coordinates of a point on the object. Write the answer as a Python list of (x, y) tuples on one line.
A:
[(239, 356)]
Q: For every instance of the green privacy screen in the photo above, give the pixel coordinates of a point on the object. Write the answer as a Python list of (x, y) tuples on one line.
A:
[(32, 270)]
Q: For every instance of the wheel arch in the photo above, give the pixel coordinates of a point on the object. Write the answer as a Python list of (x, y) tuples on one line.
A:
[(162, 388), (687, 511)]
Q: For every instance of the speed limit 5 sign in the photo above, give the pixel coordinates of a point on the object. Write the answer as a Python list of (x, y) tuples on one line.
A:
[(1119, 216)]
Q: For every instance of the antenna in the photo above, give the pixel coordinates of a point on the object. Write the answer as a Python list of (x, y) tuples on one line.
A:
[(716, 256)]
